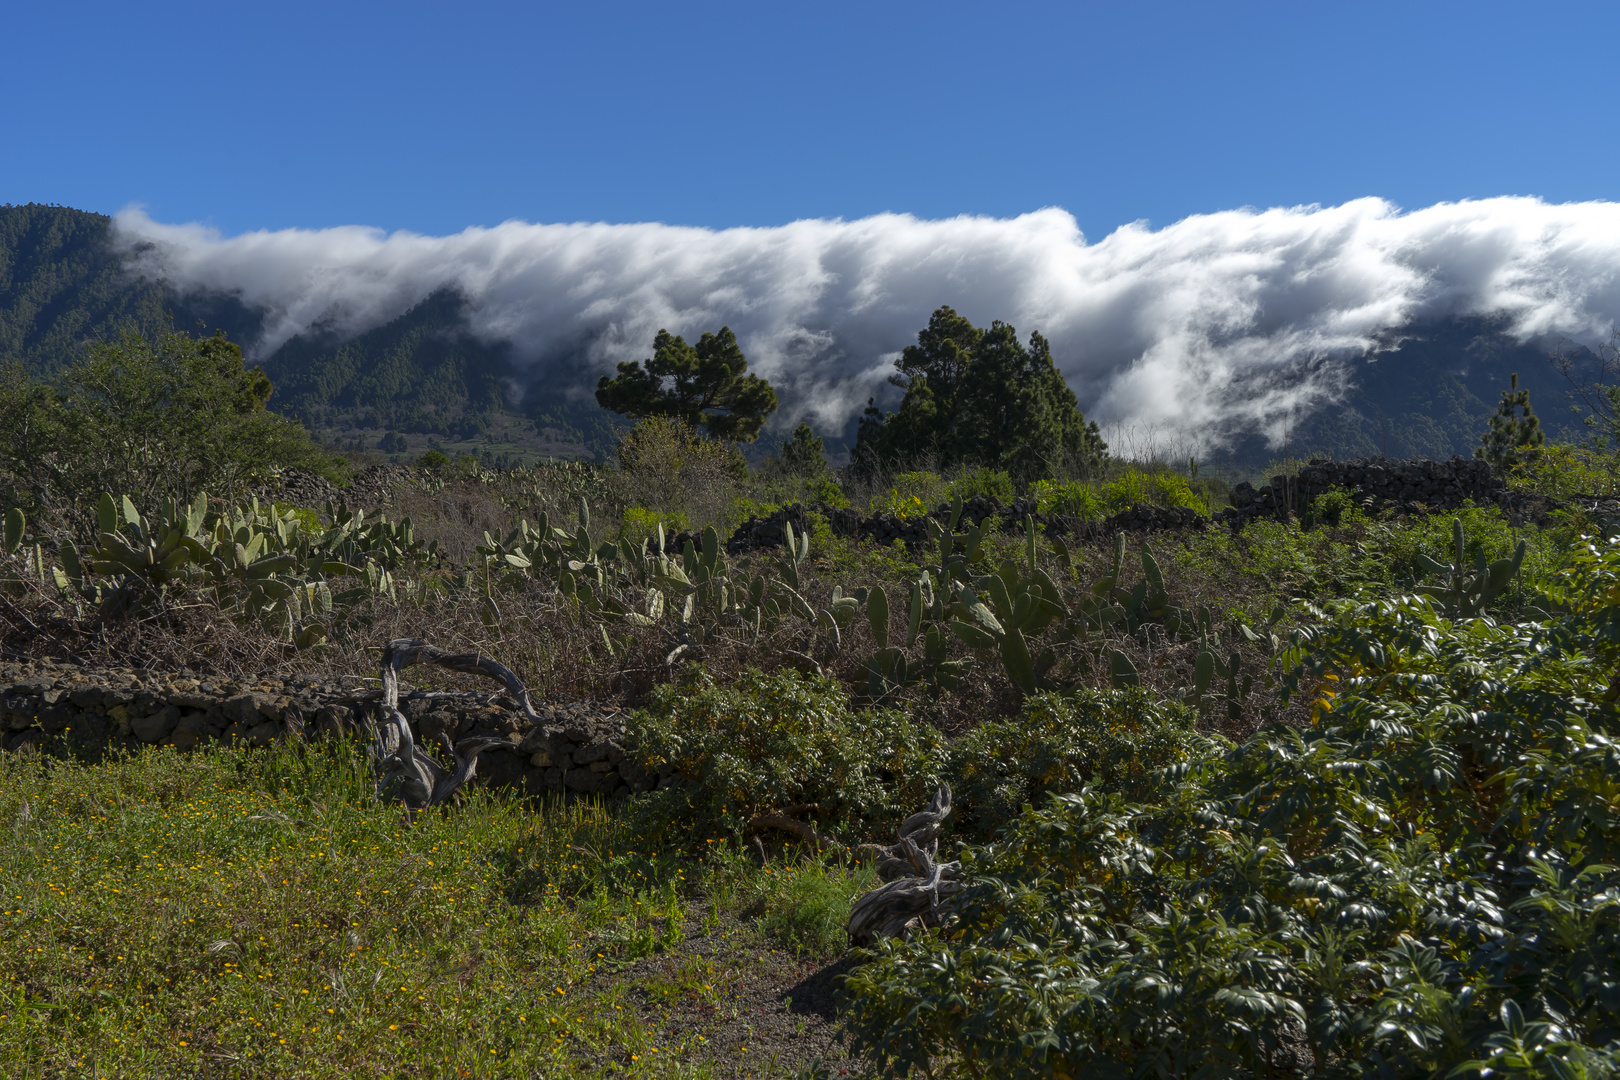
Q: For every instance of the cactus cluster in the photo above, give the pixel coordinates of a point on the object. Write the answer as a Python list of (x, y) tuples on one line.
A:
[(253, 560), (1466, 594)]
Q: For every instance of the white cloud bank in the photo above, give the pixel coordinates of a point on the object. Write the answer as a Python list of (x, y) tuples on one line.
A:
[(1219, 321)]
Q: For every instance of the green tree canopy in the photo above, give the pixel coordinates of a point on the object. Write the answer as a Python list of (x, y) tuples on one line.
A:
[(153, 417), (980, 398), (1514, 437), (803, 454), (706, 384)]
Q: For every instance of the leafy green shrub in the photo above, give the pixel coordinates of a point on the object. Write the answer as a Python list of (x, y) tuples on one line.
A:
[(640, 522), (1137, 488), (983, 481), (826, 490), (770, 742), (666, 464), (808, 909), (1084, 499), (1059, 743), (1420, 883), (433, 459), (1331, 507), (1565, 469), (1077, 499), (912, 494), (168, 416)]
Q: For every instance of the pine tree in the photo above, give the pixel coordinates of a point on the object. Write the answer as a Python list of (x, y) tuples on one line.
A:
[(1515, 437), (707, 385)]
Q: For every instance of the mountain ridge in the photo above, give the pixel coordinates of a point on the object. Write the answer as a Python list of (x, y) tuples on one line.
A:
[(63, 284)]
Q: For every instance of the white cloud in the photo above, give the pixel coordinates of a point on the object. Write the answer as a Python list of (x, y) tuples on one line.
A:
[(1230, 319)]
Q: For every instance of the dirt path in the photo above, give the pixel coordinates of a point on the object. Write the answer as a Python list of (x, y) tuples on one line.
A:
[(734, 999)]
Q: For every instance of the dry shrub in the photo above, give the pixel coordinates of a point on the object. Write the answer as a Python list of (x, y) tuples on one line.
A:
[(665, 464)]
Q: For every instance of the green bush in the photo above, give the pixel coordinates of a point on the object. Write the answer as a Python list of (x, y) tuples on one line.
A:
[(1565, 469), (1114, 739), (1422, 882), (665, 464), (640, 522), (1331, 507), (169, 416), (1091, 501), (1077, 499), (984, 481), (911, 494), (770, 742)]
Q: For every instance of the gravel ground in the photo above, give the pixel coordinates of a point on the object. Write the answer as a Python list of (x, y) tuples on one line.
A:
[(734, 1000)]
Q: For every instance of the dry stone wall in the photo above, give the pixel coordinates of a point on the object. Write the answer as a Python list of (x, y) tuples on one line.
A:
[(1380, 483), (577, 748)]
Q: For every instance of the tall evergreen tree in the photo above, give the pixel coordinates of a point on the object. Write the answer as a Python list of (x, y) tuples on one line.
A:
[(979, 397), (706, 384), (803, 454), (1514, 437)]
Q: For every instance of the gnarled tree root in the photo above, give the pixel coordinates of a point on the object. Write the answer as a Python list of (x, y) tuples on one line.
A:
[(916, 886), (405, 771)]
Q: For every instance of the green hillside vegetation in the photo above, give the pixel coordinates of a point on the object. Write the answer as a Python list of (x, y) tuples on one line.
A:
[(408, 375), (1431, 396), (61, 286)]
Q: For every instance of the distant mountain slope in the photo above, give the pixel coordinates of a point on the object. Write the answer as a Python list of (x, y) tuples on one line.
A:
[(420, 372), (62, 285)]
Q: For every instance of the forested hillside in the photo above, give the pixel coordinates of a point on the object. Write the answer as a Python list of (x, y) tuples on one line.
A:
[(62, 286)]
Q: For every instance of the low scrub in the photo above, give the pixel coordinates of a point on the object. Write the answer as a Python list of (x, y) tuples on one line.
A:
[(1419, 883), (776, 742), (1117, 740)]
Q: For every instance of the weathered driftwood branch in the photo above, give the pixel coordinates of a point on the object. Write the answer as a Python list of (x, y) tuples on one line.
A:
[(401, 653), (916, 886), (787, 820), (407, 772)]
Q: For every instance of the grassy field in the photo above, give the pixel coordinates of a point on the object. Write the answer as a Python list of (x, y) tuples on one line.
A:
[(236, 913)]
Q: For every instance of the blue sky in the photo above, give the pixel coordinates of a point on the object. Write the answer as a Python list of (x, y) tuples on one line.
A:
[(435, 117)]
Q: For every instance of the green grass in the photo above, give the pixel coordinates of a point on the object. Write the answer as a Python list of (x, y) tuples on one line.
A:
[(260, 914), (808, 906)]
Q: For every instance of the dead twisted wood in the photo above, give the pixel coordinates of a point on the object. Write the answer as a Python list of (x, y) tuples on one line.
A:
[(787, 820), (916, 886), (407, 772)]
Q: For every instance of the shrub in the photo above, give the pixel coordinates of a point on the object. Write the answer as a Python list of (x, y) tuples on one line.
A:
[(1114, 739), (983, 481), (1090, 501), (1331, 507), (668, 465), (1076, 499), (169, 416), (912, 494), (1413, 885), (433, 459), (640, 523), (775, 741), (1565, 469)]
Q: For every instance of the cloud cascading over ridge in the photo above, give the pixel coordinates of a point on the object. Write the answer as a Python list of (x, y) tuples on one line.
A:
[(1220, 322)]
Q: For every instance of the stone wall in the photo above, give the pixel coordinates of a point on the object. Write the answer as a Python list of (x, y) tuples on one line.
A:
[(577, 748), (1378, 483), (1381, 482)]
